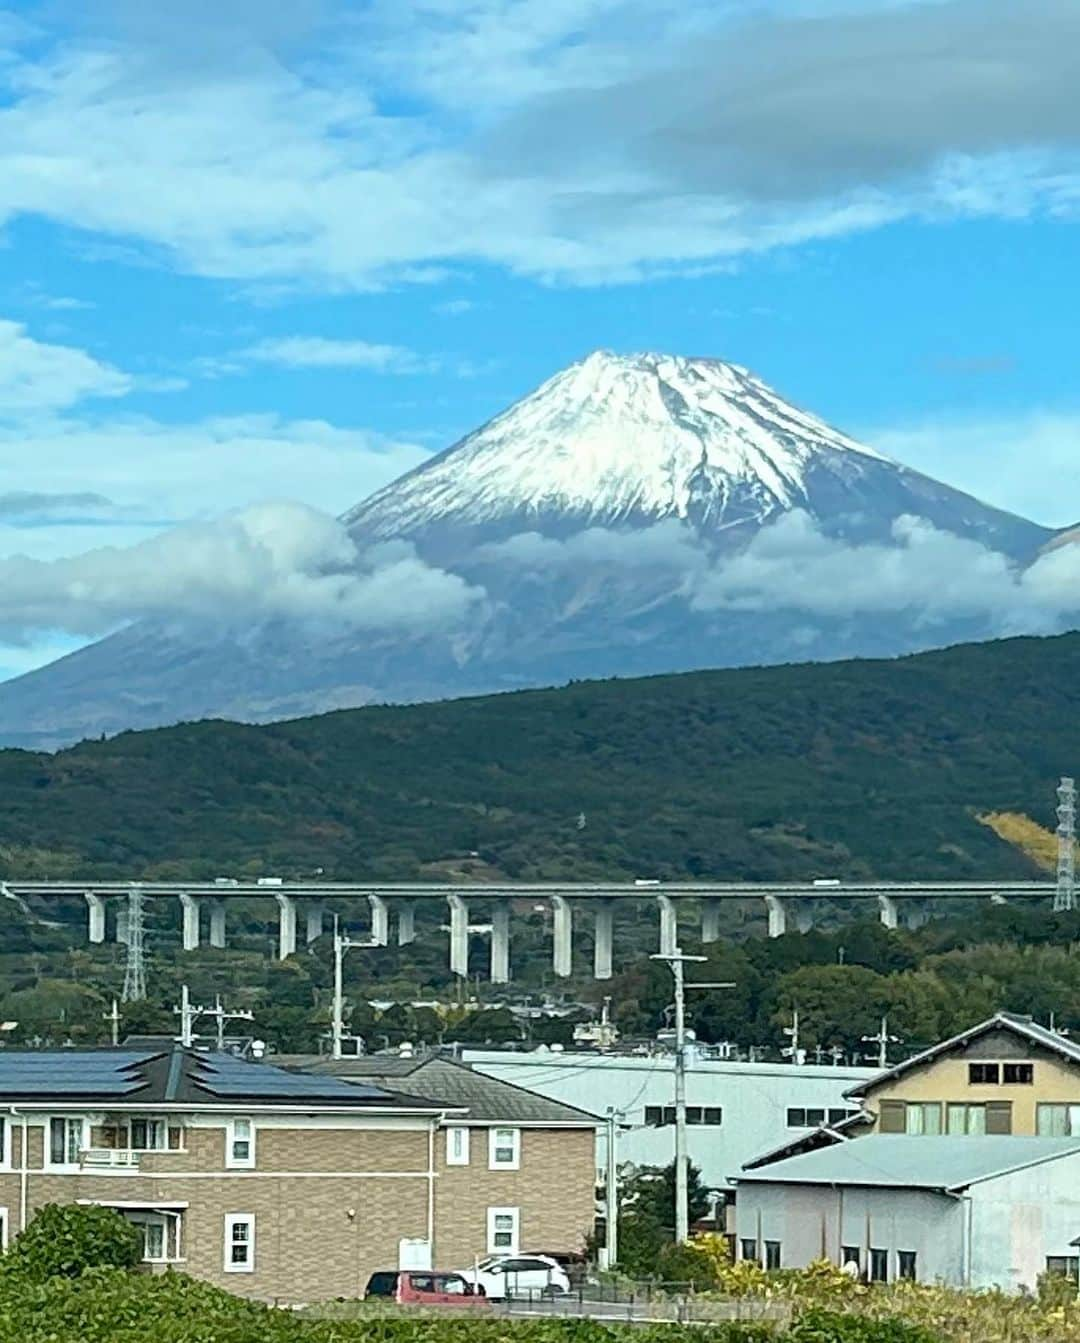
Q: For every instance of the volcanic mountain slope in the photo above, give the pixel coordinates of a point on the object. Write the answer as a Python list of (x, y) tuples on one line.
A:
[(584, 517), (630, 441)]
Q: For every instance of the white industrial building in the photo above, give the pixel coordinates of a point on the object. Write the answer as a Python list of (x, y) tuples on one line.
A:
[(977, 1212), (736, 1111)]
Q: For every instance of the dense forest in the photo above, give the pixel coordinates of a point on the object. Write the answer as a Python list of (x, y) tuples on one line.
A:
[(854, 770)]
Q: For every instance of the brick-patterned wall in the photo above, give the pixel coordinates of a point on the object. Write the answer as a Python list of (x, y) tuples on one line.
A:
[(555, 1189), (307, 1246)]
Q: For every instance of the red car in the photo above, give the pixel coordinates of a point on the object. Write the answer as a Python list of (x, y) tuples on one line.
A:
[(416, 1287)]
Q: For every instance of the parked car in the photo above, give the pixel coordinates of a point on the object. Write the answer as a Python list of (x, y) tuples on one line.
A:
[(502, 1276), (410, 1287)]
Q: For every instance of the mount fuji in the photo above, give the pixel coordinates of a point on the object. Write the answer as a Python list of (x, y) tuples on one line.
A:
[(634, 514)]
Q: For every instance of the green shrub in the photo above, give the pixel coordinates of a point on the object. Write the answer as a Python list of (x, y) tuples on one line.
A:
[(65, 1239)]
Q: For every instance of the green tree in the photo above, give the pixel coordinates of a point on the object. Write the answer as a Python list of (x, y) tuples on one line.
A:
[(65, 1239)]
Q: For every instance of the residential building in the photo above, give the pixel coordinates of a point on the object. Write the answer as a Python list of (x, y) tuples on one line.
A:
[(269, 1183), (735, 1110), (968, 1211), (515, 1170), (1008, 1075)]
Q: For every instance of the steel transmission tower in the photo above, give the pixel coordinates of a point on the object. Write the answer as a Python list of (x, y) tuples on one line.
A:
[(135, 969), (1065, 896)]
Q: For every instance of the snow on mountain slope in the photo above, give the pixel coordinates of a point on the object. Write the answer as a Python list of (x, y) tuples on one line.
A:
[(625, 441), (616, 438), (597, 519)]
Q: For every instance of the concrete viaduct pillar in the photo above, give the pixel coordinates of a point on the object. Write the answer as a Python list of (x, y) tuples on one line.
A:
[(669, 925), (783, 913), (459, 935), (286, 926), (95, 912), (189, 910), (605, 939), (710, 920), (313, 921), (500, 942), (122, 924), (562, 951), (893, 915), (380, 920), (406, 923), (217, 923)]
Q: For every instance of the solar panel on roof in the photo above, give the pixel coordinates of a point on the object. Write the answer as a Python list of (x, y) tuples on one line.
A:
[(229, 1077), (72, 1073)]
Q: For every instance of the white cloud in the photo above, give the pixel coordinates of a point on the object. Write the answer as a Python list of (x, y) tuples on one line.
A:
[(198, 469), (280, 561), (36, 376), (1027, 463), (665, 546), (579, 139), (319, 352), (930, 576)]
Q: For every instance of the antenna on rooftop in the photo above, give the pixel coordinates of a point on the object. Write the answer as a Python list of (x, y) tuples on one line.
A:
[(134, 990), (1065, 895)]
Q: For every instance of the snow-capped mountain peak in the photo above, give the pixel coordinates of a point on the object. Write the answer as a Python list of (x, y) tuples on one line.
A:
[(625, 438)]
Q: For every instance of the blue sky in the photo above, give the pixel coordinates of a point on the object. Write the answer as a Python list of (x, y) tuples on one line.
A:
[(258, 250)]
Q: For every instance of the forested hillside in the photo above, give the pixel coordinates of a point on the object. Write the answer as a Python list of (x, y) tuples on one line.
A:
[(850, 770), (844, 769)]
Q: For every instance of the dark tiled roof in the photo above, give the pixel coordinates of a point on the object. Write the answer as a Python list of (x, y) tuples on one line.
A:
[(487, 1099), (177, 1076)]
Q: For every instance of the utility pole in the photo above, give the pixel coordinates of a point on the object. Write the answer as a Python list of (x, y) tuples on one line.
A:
[(676, 960), (883, 1040), (342, 944), (114, 1018), (792, 1052), (611, 1237), (189, 1014), (1065, 895)]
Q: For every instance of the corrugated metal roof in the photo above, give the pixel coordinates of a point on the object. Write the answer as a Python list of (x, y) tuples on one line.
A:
[(1022, 1026), (892, 1160)]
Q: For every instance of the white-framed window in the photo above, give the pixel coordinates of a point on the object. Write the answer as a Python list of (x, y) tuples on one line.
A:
[(504, 1148), (239, 1242), (240, 1144), (457, 1146), (149, 1135), (503, 1227), (67, 1140), (5, 1143), (160, 1235), (4, 1223)]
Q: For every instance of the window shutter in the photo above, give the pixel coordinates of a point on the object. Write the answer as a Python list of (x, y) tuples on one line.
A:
[(999, 1117), (892, 1117)]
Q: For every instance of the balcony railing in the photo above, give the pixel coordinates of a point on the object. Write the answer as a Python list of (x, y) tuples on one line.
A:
[(109, 1158)]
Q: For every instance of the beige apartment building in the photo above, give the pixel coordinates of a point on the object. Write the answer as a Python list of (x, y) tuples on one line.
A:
[(515, 1170), (1007, 1075), (285, 1186)]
